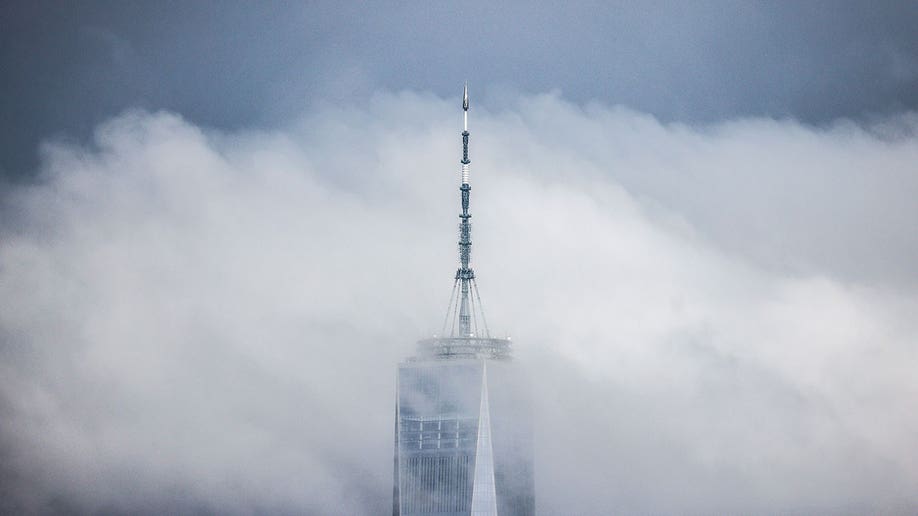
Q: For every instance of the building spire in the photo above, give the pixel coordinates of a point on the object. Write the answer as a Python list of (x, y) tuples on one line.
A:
[(465, 107), (465, 275), (467, 309)]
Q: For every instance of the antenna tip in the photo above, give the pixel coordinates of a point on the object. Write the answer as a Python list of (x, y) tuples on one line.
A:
[(465, 97)]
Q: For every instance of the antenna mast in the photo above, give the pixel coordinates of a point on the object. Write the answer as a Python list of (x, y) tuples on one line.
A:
[(465, 275), (471, 339)]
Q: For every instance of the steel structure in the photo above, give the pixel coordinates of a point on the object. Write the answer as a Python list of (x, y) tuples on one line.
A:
[(465, 328), (462, 422)]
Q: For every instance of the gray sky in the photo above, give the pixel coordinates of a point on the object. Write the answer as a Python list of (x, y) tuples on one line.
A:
[(67, 67), (238, 222)]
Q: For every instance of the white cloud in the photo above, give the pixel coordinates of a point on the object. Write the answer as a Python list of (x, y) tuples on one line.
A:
[(719, 318)]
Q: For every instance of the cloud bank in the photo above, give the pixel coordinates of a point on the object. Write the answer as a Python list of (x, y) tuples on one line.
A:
[(718, 318)]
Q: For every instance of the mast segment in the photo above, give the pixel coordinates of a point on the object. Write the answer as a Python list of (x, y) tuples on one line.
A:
[(465, 275)]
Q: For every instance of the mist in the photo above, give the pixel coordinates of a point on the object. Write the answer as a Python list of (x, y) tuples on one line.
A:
[(716, 317)]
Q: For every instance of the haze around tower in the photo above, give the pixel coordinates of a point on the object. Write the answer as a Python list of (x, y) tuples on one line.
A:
[(190, 321), (704, 250)]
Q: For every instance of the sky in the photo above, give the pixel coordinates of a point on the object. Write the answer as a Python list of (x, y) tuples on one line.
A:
[(233, 65), (223, 225)]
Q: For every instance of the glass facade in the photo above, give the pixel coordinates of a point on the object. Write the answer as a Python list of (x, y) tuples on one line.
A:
[(462, 439), (484, 493)]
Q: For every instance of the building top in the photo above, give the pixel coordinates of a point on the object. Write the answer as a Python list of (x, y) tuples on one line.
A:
[(451, 348)]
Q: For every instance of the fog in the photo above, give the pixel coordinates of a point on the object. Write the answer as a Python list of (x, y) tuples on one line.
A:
[(718, 318)]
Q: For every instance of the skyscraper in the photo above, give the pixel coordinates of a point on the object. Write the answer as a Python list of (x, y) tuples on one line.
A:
[(463, 434)]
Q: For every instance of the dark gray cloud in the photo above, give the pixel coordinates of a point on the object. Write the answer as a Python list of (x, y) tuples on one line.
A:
[(67, 67), (199, 320)]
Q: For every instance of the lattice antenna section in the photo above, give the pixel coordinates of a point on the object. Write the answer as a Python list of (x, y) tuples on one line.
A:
[(464, 308), (465, 274)]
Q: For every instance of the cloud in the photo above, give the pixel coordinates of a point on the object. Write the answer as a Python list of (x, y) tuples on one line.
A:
[(716, 318)]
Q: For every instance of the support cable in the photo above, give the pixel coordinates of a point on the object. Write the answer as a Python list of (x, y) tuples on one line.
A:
[(452, 329), (481, 309), (449, 308), (472, 309)]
